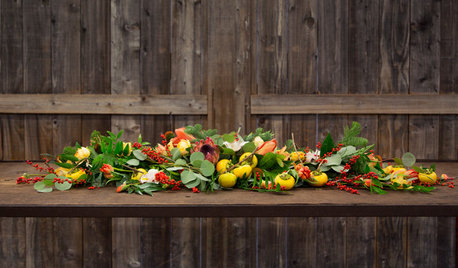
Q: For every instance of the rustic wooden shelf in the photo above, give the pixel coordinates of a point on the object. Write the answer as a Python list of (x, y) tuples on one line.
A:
[(24, 201)]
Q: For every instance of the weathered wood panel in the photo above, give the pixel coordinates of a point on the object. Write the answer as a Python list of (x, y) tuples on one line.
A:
[(12, 76), (95, 61), (301, 242), (97, 242), (12, 242), (330, 242), (391, 242), (361, 240)]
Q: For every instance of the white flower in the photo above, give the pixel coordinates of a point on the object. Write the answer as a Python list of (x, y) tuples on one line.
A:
[(312, 156), (150, 176), (258, 141), (235, 145)]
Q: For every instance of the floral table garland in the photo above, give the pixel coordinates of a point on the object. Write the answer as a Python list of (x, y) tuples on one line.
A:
[(203, 160)]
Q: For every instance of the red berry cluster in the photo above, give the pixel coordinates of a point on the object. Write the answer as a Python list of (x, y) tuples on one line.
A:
[(195, 190), (154, 155), (163, 179), (137, 145), (40, 168), (92, 188), (23, 179), (164, 142)]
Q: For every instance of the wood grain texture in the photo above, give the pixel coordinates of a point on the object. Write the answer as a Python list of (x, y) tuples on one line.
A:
[(12, 245), (50, 243), (37, 75), (333, 46), (302, 47), (330, 241), (422, 242), (424, 136), (446, 242), (448, 47), (448, 137), (360, 242), (424, 47), (391, 242), (126, 239), (95, 61), (66, 67), (353, 104), (155, 246), (363, 42), (185, 242), (393, 135), (333, 124), (301, 242), (11, 53), (394, 46), (97, 242), (272, 242), (228, 242), (125, 60)]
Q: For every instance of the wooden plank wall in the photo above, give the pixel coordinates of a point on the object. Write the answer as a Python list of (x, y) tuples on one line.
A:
[(229, 50)]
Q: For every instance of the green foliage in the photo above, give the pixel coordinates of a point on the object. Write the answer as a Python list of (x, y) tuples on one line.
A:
[(327, 145), (351, 136), (264, 135)]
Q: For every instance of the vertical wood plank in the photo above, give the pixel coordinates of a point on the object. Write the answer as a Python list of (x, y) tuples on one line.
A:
[(360, 241), (228, 242), (302, 242), (330, 241), (424, 46), (37, 75), (333, 124), (393, 135), (394, 47), (333, 46), (422, 242), (272, 242), (126, 247), (125, 60), (97, 243), (448, 137), (448, 126), (391, 242), (446, 242), (12, 76), (302, 47), (186, 62), (363, 35), (185, 242), (424, 136), (54, 242), (424, 75), (12, 243), (65, 33), (155, 246), (95, 61), (369, 126), (304, 129)]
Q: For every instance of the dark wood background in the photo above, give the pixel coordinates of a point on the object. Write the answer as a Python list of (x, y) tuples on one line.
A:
[(229, 51)]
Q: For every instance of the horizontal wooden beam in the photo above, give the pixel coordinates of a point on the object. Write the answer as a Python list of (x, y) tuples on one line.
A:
[(102, 104), (354, 104)]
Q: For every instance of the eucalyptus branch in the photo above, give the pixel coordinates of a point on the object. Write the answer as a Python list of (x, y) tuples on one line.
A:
[(131, 168)]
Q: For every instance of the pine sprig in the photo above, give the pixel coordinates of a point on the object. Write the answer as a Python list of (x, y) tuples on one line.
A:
[(351, 136)]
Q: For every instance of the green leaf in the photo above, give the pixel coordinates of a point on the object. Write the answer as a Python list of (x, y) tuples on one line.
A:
[(139, 155), (197, 156), (207, 168), (180, 162), (187, 176), (64, 165), (45, 190), (197, 163), (175, 153), (327, 145), (63, 186), (333, 160), (268, 160), (118, 147), (418, 169), (225, 150), (65, 157), (139, 140), (280, 161), (249, 147), (174, 168), (202, 178), (338, 169), (69, 150), (192, 184), (50, 177), (119, 134), (398, 161), (408, 159), (347, 151), (230, 137), (133, 162), (39, 185)]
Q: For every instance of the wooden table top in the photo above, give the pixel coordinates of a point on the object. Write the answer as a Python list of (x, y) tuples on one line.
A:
[(23, 201)]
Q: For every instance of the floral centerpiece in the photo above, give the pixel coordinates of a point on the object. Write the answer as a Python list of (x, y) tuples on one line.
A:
[(204, 160)]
